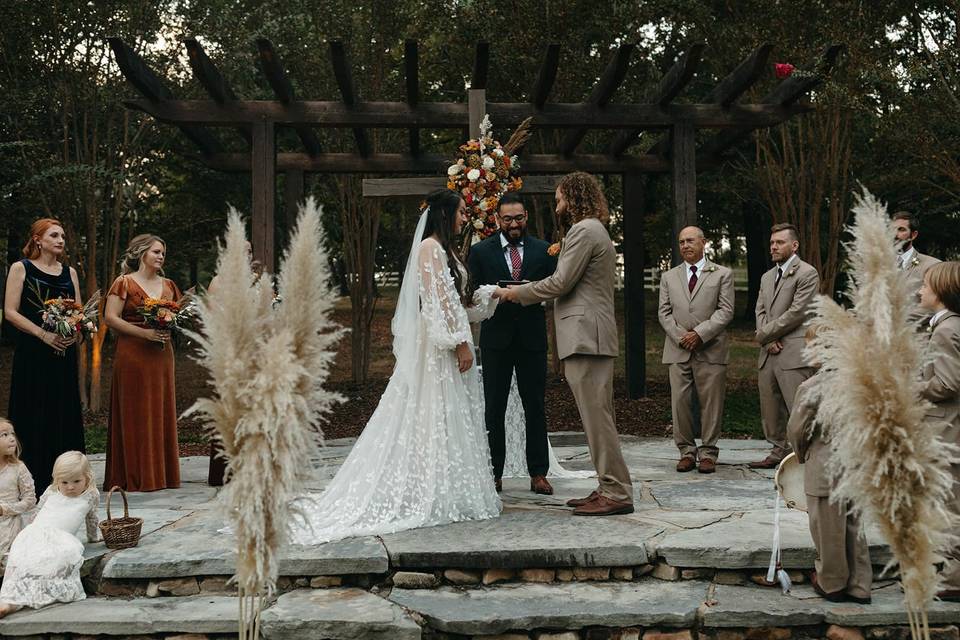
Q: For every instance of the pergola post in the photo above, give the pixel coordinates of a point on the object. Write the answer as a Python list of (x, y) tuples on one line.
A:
[(293, 196), (683, 168), (263, 170), (477, 106), (633, 285)]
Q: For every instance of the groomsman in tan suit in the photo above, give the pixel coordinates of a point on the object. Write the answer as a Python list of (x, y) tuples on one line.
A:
[(786, 293), (912, 263), (696, 305), (587, 342)]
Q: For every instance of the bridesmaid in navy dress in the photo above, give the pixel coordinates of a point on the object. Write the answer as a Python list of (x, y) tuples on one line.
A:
[(44, 388)]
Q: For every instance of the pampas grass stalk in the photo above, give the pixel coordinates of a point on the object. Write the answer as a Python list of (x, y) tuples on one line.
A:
[(886, 461), (267, 366)]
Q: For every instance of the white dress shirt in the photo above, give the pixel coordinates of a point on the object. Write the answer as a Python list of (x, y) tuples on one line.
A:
[(905, 257), (937, 316)]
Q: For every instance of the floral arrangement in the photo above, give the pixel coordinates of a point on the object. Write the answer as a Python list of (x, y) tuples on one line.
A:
[(66, 317), (483, 171), (160, 314)]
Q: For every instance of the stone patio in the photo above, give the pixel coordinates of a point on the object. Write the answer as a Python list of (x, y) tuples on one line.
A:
[(683, 561)]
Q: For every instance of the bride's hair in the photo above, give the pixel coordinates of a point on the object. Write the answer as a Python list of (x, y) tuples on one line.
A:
[(443, 204)]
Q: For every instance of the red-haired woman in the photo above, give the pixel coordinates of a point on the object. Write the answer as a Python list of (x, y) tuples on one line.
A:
[(44, 391)]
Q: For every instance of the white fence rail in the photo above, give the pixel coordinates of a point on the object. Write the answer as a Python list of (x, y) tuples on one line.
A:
[(651, 278)]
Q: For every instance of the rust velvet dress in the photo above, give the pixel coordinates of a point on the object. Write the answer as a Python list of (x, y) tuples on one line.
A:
[(142, 451)]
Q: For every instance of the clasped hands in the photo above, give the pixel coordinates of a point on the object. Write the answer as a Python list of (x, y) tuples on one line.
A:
[(507, 294), (774, 347), (57, 342), (691, 340)]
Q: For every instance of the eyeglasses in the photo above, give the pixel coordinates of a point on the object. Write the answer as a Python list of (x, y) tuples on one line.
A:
[(511, 219)]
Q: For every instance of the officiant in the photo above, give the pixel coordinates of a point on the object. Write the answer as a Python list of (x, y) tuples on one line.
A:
[(515, 338)]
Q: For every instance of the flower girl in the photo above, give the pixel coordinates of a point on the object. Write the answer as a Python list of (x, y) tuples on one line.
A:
[(44, 562), (16, 488)]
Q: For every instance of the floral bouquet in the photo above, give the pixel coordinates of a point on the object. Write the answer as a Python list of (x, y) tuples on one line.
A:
[(68, 318), (164, 315), (483, 171)]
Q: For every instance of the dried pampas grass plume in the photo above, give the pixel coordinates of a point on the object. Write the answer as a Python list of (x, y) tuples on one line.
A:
[(267, 366), (886, 461)]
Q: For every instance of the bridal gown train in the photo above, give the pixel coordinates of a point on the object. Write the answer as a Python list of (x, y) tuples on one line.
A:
[(423, 457)]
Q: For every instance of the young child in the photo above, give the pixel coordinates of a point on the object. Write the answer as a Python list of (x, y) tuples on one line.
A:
[(16, 488), (44, 562), (940, 296), (842, 567)]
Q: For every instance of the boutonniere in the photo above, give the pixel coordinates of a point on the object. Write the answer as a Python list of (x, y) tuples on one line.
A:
[(914, 262), (710, 268), (793, 270), (554, 249)]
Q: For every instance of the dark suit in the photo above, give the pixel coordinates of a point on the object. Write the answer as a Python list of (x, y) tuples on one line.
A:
[(515, 338)]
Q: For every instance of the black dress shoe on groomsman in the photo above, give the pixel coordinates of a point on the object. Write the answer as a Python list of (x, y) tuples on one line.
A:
[(498, 483)]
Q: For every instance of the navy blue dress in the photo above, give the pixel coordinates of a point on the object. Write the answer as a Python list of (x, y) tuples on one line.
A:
[(44, 390)]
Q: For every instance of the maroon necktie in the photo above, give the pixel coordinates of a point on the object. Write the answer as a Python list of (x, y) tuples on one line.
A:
[(515, 262), (692, 283)]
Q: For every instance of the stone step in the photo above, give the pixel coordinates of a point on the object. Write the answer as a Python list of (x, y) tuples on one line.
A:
[(650, 603), (334, 614)]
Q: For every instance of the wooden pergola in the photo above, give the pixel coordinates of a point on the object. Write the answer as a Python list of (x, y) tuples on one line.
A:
[(676, 153)]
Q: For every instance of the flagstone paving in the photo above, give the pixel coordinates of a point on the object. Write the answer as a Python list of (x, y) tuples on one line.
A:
[(691, 522)]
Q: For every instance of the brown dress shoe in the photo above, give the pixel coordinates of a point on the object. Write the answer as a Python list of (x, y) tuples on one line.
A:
[(858, 599), (835, 596), (498, 483), (577, 502), (767, 463), (603, 506), (686, 463), (539, 484), (707, 465)]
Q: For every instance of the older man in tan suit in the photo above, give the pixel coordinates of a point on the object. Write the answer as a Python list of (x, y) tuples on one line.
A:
[(696, 305), (587, 342), (911, 263), (784, 305)]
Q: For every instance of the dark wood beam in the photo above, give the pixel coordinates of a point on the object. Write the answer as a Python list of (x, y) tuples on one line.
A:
[(276, 75), (404, 187), (454, 115), (671, 84), (262, 164), (481, 64), (786, 94), (683, 170), (139, 74), (293, 196), (411, 65), (546, 76), (341, 71), (434, 164), (611, 79), (212, 80), (633, 285)]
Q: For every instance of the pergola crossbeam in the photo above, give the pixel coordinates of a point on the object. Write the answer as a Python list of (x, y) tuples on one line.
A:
[(546, 76), (139, 74), (277, 77), (211, 79), (672, 83), (613, 76), (341, 71)]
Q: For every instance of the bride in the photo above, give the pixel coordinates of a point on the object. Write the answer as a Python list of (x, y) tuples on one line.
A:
[(423, 458)]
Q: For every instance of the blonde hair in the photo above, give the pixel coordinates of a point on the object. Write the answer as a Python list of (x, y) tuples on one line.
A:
[(72, 464), (15, 458), (944, 281), (140, 244), (584, 197)]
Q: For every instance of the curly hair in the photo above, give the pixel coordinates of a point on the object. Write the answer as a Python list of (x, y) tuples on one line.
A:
[(584, 197)]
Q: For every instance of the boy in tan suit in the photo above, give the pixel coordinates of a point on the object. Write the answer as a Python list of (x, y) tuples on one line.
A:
[(842, 567), (940, 296), (587, 342), (911, 263), (696, 305), (786, 293)]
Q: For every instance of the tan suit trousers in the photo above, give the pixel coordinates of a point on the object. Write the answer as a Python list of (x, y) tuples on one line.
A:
[(777, 389), (843, 555), (951, 570), (591, 381), (708, 381)]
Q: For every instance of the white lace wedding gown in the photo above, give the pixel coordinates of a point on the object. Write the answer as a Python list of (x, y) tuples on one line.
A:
[(45, 558), (423, 458)]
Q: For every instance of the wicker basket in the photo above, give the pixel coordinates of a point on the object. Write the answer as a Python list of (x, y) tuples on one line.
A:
[(120, 533)]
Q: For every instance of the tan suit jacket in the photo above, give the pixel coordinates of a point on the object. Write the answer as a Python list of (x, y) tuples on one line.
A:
[(781, 312), (707, 310), (805, 437), (583, 286), (941, 376), (913, 275)]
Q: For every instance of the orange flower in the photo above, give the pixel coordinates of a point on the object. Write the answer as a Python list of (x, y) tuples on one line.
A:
[(554, 249)]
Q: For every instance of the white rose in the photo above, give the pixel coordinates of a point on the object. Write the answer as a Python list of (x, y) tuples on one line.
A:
[(513, 160), (454, 169), (478, 224), (473, 174), (498, 152), (488, 162), (483, 205)]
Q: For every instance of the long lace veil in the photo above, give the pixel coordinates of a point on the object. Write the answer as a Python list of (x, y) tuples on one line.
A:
[(406, 319)]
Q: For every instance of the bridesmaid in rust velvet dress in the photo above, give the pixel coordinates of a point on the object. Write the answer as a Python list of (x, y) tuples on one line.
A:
[(142, 450)]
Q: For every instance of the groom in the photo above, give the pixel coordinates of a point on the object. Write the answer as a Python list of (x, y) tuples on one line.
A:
[(515, 338), (583, 286)]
